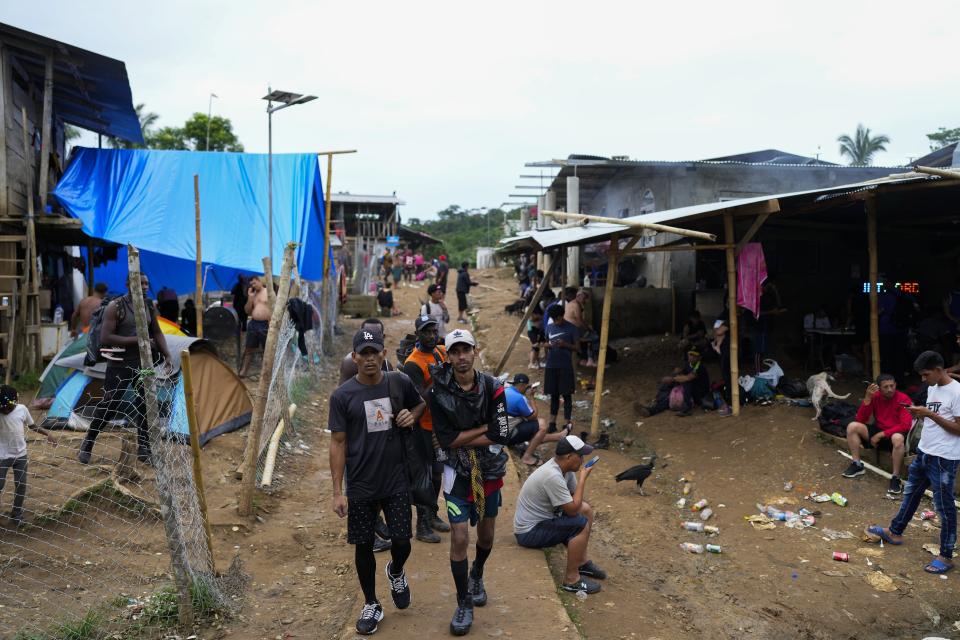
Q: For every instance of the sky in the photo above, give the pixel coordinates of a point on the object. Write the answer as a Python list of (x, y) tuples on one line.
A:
[(446, 101)]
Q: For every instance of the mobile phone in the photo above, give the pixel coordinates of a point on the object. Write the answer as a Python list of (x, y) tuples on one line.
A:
[(592, 461)]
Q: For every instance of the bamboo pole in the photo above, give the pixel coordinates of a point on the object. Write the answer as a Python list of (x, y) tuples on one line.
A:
[(149, 390), (526, 316), (943, 173), (884, 474), (199, 294), (195, 450), (326, 218), (30, 297), (632, 224), (870, 206), (45, 127), (604, 334), (274, 448), (268, 280), (252, 451), (734, 335)]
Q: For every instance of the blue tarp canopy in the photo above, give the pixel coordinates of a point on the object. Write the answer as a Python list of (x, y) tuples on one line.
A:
[(145, 198)]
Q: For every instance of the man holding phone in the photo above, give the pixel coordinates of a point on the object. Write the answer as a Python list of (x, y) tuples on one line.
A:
[(551, 511), (890, 423)]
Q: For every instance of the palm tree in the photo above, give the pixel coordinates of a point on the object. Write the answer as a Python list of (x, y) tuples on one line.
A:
[(147, 120), (862, 146)]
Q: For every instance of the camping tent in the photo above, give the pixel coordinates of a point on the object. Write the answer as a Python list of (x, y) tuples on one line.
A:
[(146, 198), (222, 401)]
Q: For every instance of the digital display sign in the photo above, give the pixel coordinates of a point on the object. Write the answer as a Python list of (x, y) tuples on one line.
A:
[(906, 287)]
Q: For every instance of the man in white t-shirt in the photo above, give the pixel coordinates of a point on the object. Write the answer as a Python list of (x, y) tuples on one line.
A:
[(551, 511), (436, 308), (935, 467)]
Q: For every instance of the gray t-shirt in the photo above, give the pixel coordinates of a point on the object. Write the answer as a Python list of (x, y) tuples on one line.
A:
[(544, 492)]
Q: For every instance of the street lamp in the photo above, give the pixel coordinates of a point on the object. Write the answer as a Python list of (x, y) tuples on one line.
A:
[(286, 99), (209, 113)]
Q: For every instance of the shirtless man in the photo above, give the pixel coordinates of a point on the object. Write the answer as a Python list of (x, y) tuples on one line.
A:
[(81, 317), (573, 313), (259, 311)]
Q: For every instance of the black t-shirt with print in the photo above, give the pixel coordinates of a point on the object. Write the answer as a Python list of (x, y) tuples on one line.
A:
[(375, 466)]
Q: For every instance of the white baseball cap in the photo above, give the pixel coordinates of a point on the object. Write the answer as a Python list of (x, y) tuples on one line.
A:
[(459, 335)]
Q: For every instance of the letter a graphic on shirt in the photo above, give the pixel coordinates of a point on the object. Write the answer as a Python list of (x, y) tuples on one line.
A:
[(379, 414)]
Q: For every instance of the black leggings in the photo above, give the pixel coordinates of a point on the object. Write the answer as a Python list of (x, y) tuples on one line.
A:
[(367, 565), (567, 405)]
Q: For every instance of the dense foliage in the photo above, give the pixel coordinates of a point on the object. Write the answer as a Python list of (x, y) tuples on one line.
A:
[(463, 230)]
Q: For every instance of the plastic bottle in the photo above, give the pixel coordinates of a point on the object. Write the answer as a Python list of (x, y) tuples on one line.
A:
[(838, 499), (711, 529), (681, 503), (714, 548), (686, 489), (692, 526), (692, 547), (58, 315), (699, 504), (706, 513)]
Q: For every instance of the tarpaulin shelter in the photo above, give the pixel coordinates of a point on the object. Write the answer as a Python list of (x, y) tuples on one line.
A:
[(146, 198)]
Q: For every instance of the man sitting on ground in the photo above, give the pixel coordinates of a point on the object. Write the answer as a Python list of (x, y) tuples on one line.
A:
[(551, 511), (524, 421), (694, 379), (694, 334), (891, 422)]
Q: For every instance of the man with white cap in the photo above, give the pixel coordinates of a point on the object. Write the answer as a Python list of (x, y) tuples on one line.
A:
[(469, 413), (551, 511)]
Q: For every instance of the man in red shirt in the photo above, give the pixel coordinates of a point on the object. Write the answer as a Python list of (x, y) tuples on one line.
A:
[(891, 421)]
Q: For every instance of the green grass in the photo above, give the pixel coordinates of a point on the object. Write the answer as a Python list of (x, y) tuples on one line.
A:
[(89, 627), (26, 381)]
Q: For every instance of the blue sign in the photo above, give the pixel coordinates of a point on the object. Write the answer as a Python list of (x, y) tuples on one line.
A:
[(393, 241)]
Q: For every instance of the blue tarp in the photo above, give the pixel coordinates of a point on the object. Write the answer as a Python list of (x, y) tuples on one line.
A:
[(145, 198)]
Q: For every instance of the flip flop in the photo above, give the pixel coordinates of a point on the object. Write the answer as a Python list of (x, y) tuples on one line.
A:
[(876, 531), (938, 566)]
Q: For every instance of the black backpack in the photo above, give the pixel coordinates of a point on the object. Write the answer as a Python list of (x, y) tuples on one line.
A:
[(93, 356), (407, 344), (835, 417)]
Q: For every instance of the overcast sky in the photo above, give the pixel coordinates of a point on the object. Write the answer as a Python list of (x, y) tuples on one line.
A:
[(445, 101)]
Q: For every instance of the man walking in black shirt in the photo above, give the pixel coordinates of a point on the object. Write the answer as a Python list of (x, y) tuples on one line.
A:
[(469, 412), (366, 414)]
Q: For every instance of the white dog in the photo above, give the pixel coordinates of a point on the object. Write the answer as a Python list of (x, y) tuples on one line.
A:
[(819, 387)]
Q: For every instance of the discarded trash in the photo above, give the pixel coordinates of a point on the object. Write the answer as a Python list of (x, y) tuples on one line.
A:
[(820, 497), (579, 404), (582, 595), (681, 503), (761, 522), (706, 513), (607, 423), (692, 526), (699, 504), (707, 528), (788, 486), (932, 549), (542, 397), (838, 499), (836, 535), (841, 556), (605, 392), (928, 515), (687, 488), (713, 548), (692, 547), (880, 581)]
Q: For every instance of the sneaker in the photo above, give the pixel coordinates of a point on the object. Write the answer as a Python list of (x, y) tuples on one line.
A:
[(381, 544), (589, 568), (603, 442), (855, 469), (437, 524), (896, 486), (380, 528), (369, 619), (399, 588), (476, 590), (583, 584), (16, 520), (143, 455), (83, 457), (425, 533), (462, 617)]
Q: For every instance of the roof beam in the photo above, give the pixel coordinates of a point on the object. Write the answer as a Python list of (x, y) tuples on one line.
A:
[(632, 224), (752, 231)]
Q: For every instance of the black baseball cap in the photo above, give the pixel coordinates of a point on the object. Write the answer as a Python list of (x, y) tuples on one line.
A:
[(573, 444), (424, 321), (520, 378), (432, 288), (367, 338)]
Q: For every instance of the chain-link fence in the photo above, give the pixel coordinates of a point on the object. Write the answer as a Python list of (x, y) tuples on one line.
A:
[(99, 508)]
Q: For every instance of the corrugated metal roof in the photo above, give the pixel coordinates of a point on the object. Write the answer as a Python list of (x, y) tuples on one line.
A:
[(350, 197)]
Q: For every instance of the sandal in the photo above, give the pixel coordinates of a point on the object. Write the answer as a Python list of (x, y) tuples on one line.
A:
[(876, 531), (938, 566)]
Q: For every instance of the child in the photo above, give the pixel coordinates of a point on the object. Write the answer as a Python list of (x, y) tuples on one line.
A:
[(13, 447)]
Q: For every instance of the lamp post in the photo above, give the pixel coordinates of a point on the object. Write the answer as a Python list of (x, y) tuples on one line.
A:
[(286, 99), (209, 113)]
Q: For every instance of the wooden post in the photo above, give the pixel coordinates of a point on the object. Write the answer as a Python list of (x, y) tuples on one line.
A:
[(195, 449), (268, 280), (326, 217), (526, 316), (31, 282), (631, 224), (45, 141), (199, 294), (870, 205), (274, 447), (149, 385), (4, 194), (89, 267), (734, 335), (604, 333), (252, 451)]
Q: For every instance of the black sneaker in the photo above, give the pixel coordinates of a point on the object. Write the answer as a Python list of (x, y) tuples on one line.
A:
[(476, 590), (896, 486), (589, 568), (381, 544), (583, 584), (462, 617), (83, 457), (438, 525), (369, 619), (380, 528), (399, 588), (854, 470), (16, 520), (425, 533)]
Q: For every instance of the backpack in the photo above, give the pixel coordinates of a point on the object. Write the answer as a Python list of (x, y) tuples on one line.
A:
[(407, 344), (93, 356), (793, 388), (676, 398), (835, 417), (417, 456)]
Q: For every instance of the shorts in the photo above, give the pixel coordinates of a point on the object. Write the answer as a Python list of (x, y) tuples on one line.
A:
[(257, 333), (873, 430), (460, 509), (548, 533), (362, 518), (462, 301), (536, 337), (557, 381), (522, 430)]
